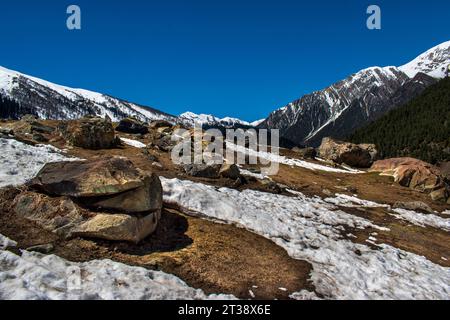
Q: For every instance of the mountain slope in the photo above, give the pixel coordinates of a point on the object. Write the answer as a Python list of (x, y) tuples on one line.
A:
[(356, 101), (433, 62), (420, 128), (51, 101)]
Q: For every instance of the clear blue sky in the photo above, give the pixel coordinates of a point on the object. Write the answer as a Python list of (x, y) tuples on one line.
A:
[(240, 58)]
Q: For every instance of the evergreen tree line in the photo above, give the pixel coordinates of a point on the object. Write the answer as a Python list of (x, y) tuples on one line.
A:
[(10, 109), (419, 129)]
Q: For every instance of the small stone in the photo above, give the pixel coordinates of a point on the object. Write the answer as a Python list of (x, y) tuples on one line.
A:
[(43, 248)]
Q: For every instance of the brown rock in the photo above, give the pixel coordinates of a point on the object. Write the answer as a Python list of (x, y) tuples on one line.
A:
[(202, 170), (119, 227), (91, 133), (230, 171), (440, 195), (89, 178), (415, 174), (160, 124), (147, 198), (110, 184), (361, 156), (58, 215)]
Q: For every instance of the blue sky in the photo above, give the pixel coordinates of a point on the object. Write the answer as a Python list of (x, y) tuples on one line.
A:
[(226, 57)]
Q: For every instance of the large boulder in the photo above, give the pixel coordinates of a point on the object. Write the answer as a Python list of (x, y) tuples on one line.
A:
[(119, 227), (414, 174), (102, 198), (355, 155), (93, 178), (133, 126), (160, 124), (90, 133), (111, 183)]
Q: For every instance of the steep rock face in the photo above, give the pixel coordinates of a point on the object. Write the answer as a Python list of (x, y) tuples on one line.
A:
[(371, 107), (303, 120), (359, 99)]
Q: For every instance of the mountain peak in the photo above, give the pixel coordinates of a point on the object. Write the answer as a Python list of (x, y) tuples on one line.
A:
[(190, 118), (433, 62)]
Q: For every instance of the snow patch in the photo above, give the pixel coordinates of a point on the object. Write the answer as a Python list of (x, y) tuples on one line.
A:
[(308, 228), (33, 276), (133, 143), (422, 220), (288, 161), (20, 162), (6, 243)]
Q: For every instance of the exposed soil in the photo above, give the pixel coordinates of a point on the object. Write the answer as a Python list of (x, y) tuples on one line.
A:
[(221, 258), (218, 258)]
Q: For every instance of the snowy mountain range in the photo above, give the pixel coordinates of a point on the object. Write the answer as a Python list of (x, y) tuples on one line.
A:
[(357, 100), (334, 111), (51, 101), (190, 118)]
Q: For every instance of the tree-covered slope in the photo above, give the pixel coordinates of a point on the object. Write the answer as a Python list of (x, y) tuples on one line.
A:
[(420, 128)]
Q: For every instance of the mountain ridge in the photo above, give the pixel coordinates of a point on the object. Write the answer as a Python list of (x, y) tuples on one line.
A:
[(307, 120)]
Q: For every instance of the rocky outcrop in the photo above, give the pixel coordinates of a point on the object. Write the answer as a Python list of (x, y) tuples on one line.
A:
[(355, 155), (415, 174), (104, 198), (90, 133), (133, 126)]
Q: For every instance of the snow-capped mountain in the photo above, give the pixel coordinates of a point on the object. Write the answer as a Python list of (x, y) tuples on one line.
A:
[(51, 101), (433, 62), (190, 118), (357, 100)]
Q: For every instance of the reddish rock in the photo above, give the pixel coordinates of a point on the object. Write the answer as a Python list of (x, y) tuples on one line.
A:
[(415, 174)]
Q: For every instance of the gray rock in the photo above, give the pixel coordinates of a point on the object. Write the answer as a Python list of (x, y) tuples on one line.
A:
[(414, 206), (43, 248), (202, 170), (133, 126)]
